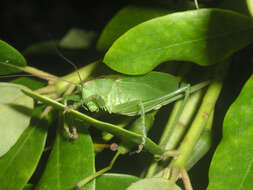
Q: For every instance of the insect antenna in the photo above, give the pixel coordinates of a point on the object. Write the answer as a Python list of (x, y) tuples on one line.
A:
[(12, 76), (44, 77), (68, 61)]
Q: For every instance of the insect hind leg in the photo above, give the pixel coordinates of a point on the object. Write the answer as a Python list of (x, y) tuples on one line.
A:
[(144, 132), (187, 91)]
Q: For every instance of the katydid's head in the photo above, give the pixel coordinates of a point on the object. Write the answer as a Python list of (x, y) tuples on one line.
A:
[(90, 97)]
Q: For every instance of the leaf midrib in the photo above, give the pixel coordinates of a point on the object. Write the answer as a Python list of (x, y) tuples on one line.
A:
[(194, 40), (246, 174)]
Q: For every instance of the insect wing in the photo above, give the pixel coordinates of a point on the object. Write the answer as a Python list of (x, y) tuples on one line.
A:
[(144, 88), (133, 108)]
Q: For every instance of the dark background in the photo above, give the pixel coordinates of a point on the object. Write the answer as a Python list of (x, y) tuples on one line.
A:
[(30, 21), (24, 23), (27, 22)]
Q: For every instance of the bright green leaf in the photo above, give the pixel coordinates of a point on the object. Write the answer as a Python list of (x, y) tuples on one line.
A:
[(153, 183), (202, 36), (15, 114), (111, 181), (70, 161), (18, 165), (231, 167), (10, 56), (125, 19)]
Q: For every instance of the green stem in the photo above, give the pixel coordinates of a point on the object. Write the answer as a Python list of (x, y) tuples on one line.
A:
[(184, 120), (203, 145), (200, 120), (39, 73), (198, 124), (199, 150), (60, 84), (33, 71), (196, 4), (186, 180)]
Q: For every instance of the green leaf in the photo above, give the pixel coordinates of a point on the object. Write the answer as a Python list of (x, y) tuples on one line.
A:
[(31, 83), (69, 162), (16, 109), (111, 181), (18, 165), (125, 19), (10, 56), (77, 38), (202, 36), (231, 167), (153, 183)]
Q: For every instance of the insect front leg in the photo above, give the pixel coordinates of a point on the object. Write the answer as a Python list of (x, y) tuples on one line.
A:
[(76, 99), (95, 103), (72, 133)]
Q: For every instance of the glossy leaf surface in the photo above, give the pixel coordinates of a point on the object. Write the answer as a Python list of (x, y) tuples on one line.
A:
[(125, 19), (15, 114), (201, 36), (18, 165), (10, 55), (153, 183), (231, 167), (69, 162), (111, 181)]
